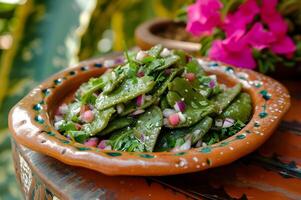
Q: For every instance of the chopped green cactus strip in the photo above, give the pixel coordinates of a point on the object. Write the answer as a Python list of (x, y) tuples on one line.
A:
[(239, 109), (164, 103), (125, 140), (73, 111), (128, 90), (176, 137), (78, 136), (100, 122), (116, 124), (168, 61), (155, 50), (224, 99), (200, 129), (148, 127)]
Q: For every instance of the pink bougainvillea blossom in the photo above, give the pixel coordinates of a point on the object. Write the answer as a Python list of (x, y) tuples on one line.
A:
[(242, 17), (203, 17), (233, 50), (282, 44), (258, 37)]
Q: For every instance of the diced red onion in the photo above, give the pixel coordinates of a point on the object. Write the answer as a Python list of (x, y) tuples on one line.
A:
[(183, 147), (102, 144), (87, 116), (182, 117), (190, 76), (199, 143), (78, 126), (108, 147), (109, 63), (63, 109), (186, 145), (119, 60), (120, 108), (218, 122), (213, 77), (83, 109), (140, 100), (138, 112), (188, 58), (167, 71), (142, 137), (58, 118), (228, 122), (174, 119), (165, 52), (141, 55), (140, 74), (180, 106), (167, 112), (212, 83), (57, 124), (92, 142)]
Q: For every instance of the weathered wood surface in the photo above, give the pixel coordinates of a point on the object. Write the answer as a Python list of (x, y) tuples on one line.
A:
[(273, 172)]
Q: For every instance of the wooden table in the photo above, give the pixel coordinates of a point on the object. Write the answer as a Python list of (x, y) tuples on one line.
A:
[(273, 172)]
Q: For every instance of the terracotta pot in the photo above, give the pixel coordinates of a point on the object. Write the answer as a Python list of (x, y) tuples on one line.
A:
[(146, 36), (31, 124)]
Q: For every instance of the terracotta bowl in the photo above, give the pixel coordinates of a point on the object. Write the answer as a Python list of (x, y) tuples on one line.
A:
[(146, 36), (30, 122)]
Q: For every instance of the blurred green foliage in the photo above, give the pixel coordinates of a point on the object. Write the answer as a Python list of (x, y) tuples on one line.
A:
[(40, 37)]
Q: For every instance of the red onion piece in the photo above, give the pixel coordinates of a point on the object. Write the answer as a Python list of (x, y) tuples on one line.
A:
[(212, 83), (83, 109), (174, 119), (190, 76), (182, 117), (180, 106), (167, 71), (78, 127), (167, 112), (228, 122), (102, 144), (92, 142), (140, 74), (141, 55), (138, 112), (63, 109), (140, 100), (87, 116)]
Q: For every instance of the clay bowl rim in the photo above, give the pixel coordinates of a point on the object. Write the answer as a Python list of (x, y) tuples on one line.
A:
[(30, 125), (145, 37)]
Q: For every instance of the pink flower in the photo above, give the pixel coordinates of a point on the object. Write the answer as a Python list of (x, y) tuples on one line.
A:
[(242, 17), (272, 18), (233, 50), (203, 17), (283, 44), (258, 37)]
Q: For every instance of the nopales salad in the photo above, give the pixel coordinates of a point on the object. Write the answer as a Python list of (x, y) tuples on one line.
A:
[(158, 100)]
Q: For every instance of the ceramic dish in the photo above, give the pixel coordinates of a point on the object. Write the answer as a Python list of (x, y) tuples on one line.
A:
[(30, 122)]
